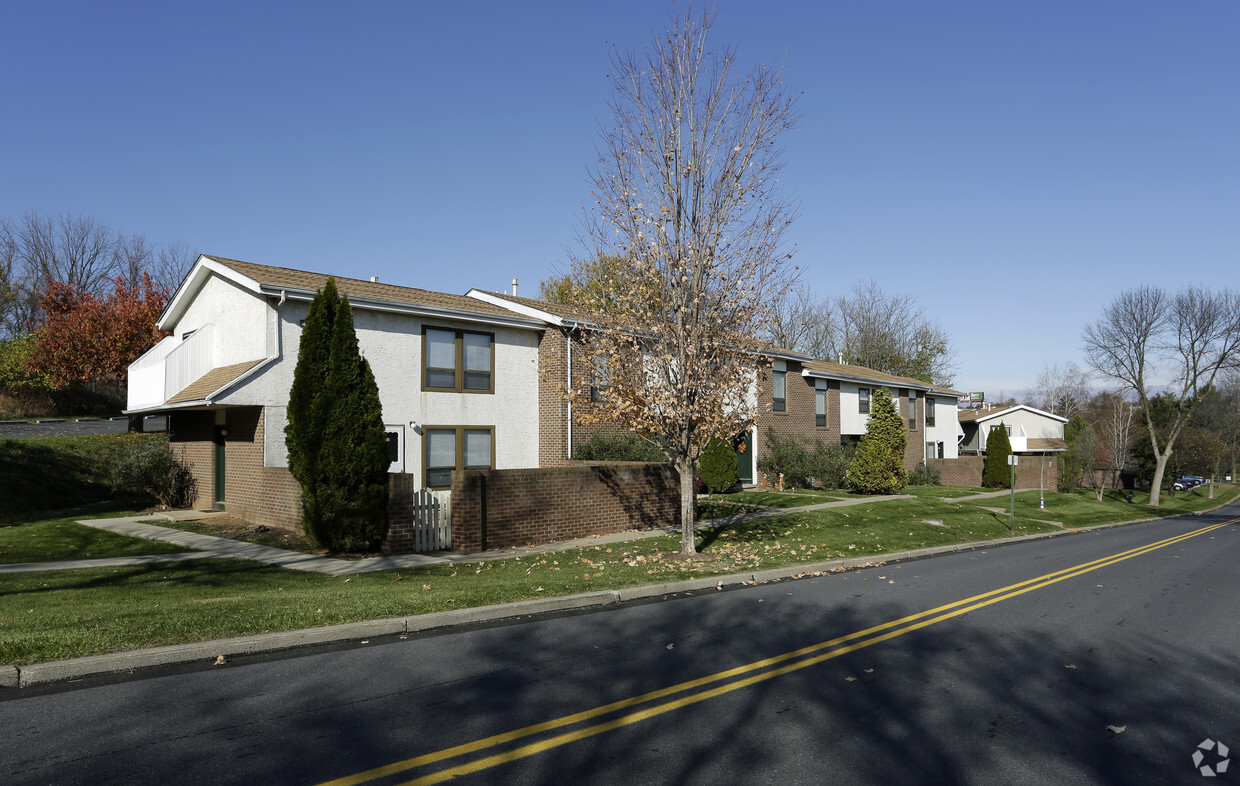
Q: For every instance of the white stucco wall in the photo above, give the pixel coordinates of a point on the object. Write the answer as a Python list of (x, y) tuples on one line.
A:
[(392, 343), (946, 427), (241, 321), (852, 421)]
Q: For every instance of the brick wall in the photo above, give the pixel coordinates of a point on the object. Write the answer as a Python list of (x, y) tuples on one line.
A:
[(513, 507), (967, 471)]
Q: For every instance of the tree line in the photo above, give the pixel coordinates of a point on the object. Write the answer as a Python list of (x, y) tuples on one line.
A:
[(78, 304)]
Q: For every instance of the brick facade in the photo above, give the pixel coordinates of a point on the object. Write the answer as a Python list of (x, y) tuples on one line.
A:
[(1032, 472), (554, 433), (500, 508), (798, 418)]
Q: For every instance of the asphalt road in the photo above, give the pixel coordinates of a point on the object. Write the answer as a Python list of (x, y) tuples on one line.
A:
[(1111, 673)]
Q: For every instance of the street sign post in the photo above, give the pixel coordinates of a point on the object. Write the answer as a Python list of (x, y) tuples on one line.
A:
[(1012, 461)]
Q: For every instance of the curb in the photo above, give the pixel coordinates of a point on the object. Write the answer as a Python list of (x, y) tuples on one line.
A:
[(209, 651)]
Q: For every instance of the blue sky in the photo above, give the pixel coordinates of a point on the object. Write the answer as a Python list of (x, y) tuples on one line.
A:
[(1012, 165)]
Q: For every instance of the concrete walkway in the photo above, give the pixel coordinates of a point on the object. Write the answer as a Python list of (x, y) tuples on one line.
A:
[(201, 546)]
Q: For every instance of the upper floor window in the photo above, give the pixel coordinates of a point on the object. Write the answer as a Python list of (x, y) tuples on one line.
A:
[(820, 402), (457, 360), (779, 385), (930, 413), (912, 409), (863, 400)]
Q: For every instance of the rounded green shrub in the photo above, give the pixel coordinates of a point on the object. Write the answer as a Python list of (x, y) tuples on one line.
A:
[(717, 466)]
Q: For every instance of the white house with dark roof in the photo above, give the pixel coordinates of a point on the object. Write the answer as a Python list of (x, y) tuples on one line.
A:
[(1030, 430), (458, 379)]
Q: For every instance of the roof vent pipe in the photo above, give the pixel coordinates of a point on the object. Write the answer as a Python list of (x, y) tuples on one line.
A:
[(374, 279), (514, 287)]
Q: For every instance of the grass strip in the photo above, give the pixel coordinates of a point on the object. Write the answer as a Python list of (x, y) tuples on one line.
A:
[(64, 539), (63, 614)]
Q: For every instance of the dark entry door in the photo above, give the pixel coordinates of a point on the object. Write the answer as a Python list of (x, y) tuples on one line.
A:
[(744, 459), (220, 433)]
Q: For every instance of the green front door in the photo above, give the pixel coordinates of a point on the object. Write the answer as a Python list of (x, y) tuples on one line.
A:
[(744, 459), (220, 433)]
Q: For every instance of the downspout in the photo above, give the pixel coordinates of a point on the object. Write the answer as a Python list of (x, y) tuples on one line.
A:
[(568, 343)]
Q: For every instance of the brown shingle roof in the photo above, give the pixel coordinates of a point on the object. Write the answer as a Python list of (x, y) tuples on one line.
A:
[(211, 381), (575, 313), (283, 277), (830, 369)]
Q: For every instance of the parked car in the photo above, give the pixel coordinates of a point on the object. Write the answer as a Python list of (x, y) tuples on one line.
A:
[(1185, 482)]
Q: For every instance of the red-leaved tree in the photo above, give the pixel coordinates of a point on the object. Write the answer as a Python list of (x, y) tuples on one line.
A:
[(92, 339)]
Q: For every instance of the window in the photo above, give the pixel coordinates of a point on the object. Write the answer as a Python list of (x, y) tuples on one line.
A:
[(601, 379), (930, 413), (457, 360), (863, 400), (779, 385), (456, 447), (912, 409), (820, 402)]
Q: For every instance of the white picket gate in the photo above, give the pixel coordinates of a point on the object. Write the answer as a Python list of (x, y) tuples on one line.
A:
[(432, 520)]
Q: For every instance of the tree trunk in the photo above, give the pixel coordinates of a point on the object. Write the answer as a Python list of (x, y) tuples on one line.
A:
[(688, 505), (1160, 467)]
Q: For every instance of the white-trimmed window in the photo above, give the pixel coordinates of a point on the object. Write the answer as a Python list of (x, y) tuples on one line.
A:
[(779, 386), (451, 448), (820, 402), (912, 409), (930, 413), (863, 401)]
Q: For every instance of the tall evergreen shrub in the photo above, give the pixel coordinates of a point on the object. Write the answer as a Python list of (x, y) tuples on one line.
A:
[(995, 471), (717, 466), (336, 429), (878, 465), (1079, 436)]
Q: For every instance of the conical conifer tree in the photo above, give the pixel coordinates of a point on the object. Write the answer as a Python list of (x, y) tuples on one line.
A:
[(878, 465), (303, 433), (995, 471)]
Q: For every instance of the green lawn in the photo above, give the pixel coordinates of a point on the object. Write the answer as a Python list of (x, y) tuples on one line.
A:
[(57, 473), (62, 614), (65, 539), (776, 499)]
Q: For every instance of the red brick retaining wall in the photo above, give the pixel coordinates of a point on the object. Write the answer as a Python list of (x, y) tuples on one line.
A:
[(967, 471), (513, 507)]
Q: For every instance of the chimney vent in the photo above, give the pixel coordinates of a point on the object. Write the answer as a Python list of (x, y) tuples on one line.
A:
[(374, 279), (514, 287)]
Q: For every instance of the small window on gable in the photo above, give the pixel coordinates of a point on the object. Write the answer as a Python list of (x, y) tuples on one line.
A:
[(779, 385), (820, 402), (863, 400), (457, 360)]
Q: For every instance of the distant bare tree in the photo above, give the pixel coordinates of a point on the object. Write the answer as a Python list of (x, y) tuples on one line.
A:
[(891, 333), (78, 252), (1114, 417), (804, 322), (1062, 390), (1194, 335)]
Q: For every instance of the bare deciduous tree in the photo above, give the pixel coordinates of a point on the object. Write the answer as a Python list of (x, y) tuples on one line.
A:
[(1191, 336), (687, 195), (1062, 390), (803, 322), (76, 251), (1114, 417)]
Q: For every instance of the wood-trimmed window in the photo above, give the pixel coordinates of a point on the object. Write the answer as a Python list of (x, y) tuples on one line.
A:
[(863, 401), (448, 448), (930, 413), (820, 402), (779, 386), (459, 361)]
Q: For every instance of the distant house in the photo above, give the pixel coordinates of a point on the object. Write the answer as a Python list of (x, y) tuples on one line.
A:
[(1031, 431), (831, 402)]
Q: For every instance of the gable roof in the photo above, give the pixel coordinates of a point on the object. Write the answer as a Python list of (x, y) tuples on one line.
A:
[(827, 370), (978, 415), (301, 285)]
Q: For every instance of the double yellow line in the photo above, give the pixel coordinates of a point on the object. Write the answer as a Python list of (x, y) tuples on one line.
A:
[(758, 671)]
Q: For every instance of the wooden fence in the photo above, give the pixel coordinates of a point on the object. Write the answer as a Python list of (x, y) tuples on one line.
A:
[(432, 520)]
